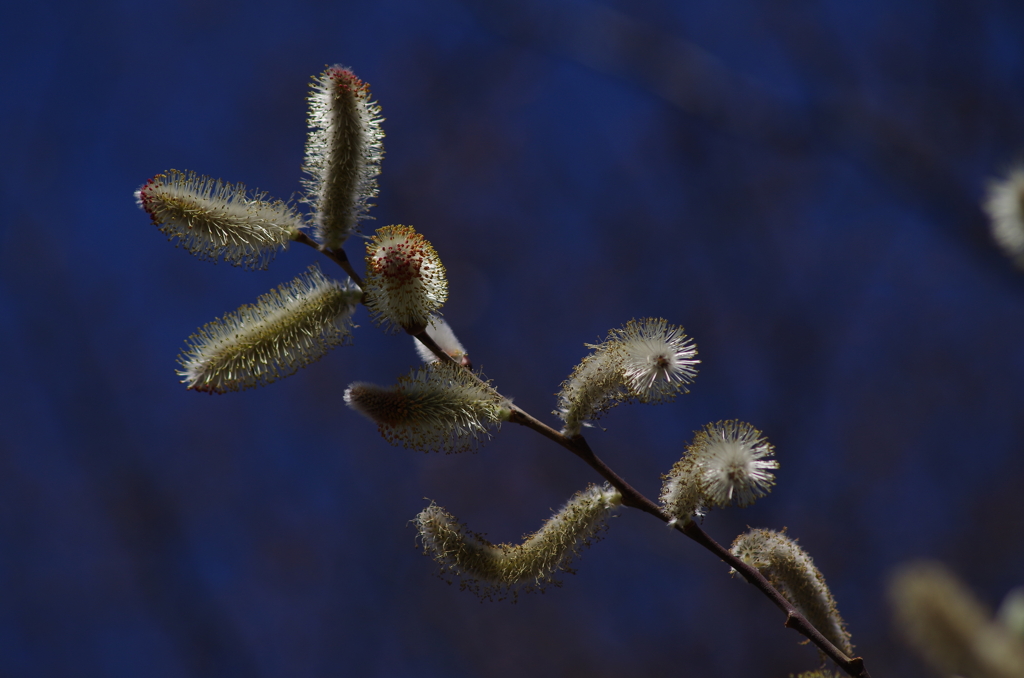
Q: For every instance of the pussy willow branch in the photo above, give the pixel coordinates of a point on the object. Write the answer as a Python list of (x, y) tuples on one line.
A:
[(635, 499)]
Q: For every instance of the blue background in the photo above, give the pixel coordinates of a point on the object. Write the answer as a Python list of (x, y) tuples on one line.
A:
[(797, 183)]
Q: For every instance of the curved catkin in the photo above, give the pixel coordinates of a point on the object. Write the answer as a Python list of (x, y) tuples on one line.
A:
[(286, 329), (500, 570), (949, 628), (682, 495), (343, 153), (216, 220), (595, 386), (438, 407), (728, 462), (646, 361), (792, 572)]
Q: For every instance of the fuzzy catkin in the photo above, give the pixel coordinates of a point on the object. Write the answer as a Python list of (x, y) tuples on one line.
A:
[(790, 570), (595, 386), (734, 463), (682, 493), (728, 462), (285, 330), (1004, 205), (646, 361), (343, 153), (502, 569), (439, 407), (405, 279), (443, 335), (657, 360), (215, 220)]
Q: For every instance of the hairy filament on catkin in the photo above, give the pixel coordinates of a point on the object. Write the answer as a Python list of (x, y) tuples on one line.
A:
[(790, 570), (658, 360), (735, 462), (491, 570), (286, 329), (646, 361), (728, 462), (343, 153), (215, 220)]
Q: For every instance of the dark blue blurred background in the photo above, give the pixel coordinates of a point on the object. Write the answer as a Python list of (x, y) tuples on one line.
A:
[(797, 183)]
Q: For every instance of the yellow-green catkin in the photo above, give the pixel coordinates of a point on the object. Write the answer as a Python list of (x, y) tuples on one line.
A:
[(728, 462), (790, 570), (286, 329), (646, 361), (595, 386), (215, 220), (439, 407), (498, 570)]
